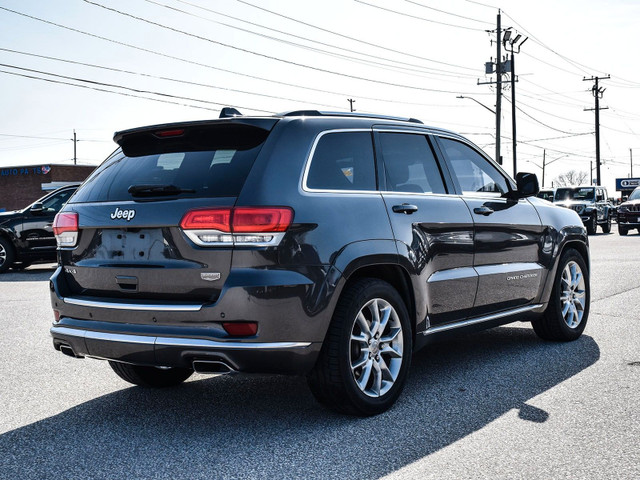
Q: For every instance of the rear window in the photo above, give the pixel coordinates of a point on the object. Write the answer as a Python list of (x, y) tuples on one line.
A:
[(215, 172)]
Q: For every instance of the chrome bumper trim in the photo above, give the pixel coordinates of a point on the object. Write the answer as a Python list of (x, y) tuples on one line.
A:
[(175, 341), (473, 321), (133, 306)]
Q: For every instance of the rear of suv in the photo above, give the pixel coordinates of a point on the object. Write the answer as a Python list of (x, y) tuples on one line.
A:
[(326, 245)]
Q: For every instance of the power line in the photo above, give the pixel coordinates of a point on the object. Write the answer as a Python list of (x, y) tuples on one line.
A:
[(420, 68), (102, 90), (315, 27), (448, 13), (48, 138), (160, 77), (538, 121), (135, 90), (417, 17), (263, 55), (204, 65)]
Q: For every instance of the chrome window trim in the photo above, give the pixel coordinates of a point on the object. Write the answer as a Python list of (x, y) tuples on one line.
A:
[(175, 341), (132, 306), (307, 166), (473, 321), (435, 156), (511, 182)]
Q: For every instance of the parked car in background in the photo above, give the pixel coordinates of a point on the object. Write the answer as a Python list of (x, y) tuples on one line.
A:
[(26, 236), (547, 194), (629, 213), (331, 245), (590, 202)]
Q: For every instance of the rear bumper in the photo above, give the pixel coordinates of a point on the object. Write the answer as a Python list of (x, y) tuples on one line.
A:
[(153, 346)]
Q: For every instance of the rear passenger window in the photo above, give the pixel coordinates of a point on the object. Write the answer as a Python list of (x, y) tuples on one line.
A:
[(410, 165), (343, 161), (474, 172)]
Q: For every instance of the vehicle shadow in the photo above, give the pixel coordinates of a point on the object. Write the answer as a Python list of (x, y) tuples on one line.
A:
[(34, 273), (270, 426)]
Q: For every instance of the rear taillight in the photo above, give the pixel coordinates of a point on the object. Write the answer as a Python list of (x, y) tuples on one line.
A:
[(65, 228), (240, 226)]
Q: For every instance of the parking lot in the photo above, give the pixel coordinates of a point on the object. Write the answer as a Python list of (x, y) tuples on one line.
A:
[(498, 404)]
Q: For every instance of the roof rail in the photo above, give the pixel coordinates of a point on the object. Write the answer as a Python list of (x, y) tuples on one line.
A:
[(316, 113)]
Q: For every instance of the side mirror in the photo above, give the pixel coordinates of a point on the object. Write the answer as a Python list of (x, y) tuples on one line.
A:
[(37, 208), (527, 185)]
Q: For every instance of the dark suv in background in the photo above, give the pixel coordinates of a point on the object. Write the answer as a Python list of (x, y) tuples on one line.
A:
[(629, 213), (26, 236), (324, 244), (591, 203)]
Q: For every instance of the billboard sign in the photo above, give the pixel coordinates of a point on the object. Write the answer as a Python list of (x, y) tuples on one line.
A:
[(627, 183)]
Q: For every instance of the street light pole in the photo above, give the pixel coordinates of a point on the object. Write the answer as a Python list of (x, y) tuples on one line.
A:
[(479, 103)]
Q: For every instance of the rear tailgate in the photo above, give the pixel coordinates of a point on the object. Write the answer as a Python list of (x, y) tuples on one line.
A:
[(130, 245)]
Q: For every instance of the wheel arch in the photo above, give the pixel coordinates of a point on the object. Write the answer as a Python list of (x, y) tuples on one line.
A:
[(394, 275), (582, 248)]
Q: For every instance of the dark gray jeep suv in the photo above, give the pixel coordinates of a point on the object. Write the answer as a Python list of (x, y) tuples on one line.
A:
[(324, 244)]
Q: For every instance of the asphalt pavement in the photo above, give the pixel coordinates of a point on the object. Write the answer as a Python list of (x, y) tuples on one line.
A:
[(500, 404)]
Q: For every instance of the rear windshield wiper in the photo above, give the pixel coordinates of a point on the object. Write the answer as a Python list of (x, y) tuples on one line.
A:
[(157, 190)]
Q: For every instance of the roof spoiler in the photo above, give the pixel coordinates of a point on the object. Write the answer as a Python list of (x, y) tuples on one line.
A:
[(228, 112)]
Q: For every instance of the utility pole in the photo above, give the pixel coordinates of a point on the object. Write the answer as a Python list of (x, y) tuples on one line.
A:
[(513, 42), (544, 160), (75, 141), (590, 172), (598, 92), (351, 102), (498, 68), (631, 160), (498, 85)]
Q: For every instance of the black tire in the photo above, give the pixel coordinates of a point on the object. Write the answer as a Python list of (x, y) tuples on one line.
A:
[(7, 254), (20, 265), (333, 379), (623, 230), (606, 228), (151, 376), (592, 225), (553, 325)]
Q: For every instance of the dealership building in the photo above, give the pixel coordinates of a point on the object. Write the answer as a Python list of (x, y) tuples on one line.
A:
[(22, 185)]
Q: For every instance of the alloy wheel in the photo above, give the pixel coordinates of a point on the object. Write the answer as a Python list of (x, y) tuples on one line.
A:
[(376, 347), (573, 297)]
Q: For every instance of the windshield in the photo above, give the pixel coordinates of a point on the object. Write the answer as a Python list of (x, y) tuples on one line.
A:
[(564, 194), (635, 195)]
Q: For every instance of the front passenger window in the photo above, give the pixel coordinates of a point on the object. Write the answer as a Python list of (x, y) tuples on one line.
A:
[(475, 174)]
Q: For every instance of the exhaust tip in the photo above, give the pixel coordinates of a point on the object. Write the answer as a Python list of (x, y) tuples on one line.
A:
[(67, 350), (212, 367)]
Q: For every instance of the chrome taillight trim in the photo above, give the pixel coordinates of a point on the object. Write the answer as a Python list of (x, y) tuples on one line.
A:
[(234, 239)]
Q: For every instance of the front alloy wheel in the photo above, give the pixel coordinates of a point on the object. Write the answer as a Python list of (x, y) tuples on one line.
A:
[(573, 296), (568, 309)]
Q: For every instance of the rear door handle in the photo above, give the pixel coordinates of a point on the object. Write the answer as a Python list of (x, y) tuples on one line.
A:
[(484, 210), (405, 208)]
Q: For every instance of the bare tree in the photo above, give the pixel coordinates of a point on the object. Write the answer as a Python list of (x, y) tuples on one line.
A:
[(571, 178)]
